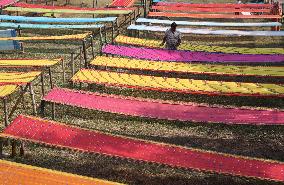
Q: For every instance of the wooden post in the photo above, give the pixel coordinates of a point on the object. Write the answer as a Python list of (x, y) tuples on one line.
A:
[(63, 69), (85, 53), (13, 152), (145, 8), (81, 58), (105, 34), (6, 119), (92, 47), (112, 32), (22, 149), (42, 108), (72, 64), (50, 78), (42, 83), (101, 42), (33, 98)]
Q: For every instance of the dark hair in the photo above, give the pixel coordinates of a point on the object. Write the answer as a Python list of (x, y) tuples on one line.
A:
[(174, 25)]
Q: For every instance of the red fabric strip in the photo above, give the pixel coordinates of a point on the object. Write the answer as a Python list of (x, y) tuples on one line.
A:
[(221, 10), (51, 133), (163, 110), (122, 3), (215, 5)]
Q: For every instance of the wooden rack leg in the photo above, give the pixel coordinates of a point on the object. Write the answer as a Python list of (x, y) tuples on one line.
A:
[(72, 64), (112, 32), (92, 47), (6, 119), (63, 70), (42, 83), (42, 108), (50, 78), (33, 98), (14, 148), (85, 53), (22, 149)]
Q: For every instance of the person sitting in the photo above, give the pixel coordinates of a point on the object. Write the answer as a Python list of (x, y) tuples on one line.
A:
[(172, 38)]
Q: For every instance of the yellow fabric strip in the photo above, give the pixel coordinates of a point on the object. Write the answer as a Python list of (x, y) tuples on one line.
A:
[(33, 63), (188, 67), (176, 84), (187, 46), (18, 77), (6, 90), (15, 174), (63, 37)]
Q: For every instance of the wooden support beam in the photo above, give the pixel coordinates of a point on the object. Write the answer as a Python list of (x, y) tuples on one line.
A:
[(6, 119), (33, 98)]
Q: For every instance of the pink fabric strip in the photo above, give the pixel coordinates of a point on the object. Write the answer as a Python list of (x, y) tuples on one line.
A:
[(162, 110), (7, 2)]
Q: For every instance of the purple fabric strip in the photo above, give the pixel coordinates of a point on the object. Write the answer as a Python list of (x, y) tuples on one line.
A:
[(187, 56)]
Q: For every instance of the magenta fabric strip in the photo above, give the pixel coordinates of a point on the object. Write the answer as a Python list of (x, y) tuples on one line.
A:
[(187, 56), (164, 110)]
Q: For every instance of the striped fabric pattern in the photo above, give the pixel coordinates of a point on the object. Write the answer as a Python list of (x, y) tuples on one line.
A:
[(6, 90), (191, 86), (180, 67), (18, 77), (121, 39)]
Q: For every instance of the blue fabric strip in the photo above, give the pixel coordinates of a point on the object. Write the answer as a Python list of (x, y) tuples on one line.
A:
[(48, 26), (9, 45), (56, 20)]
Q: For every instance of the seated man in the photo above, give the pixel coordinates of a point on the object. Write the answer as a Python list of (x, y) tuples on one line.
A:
[(172, 37)]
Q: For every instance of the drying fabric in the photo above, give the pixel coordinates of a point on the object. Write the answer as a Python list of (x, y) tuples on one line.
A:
[(8, 45), (14, 173), (29, 62), (206, 23), (49, 26), (208, 31), (166, 110), (23, 7), (63, 37), (26, 5), (4, 3), (191, 86), (212, 16), (55, 20), (6, 90), (215, 5), (187, 56), (180, 67), (122, 3), (18, 77), (208, 9), (191, 47), (47, 132)]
